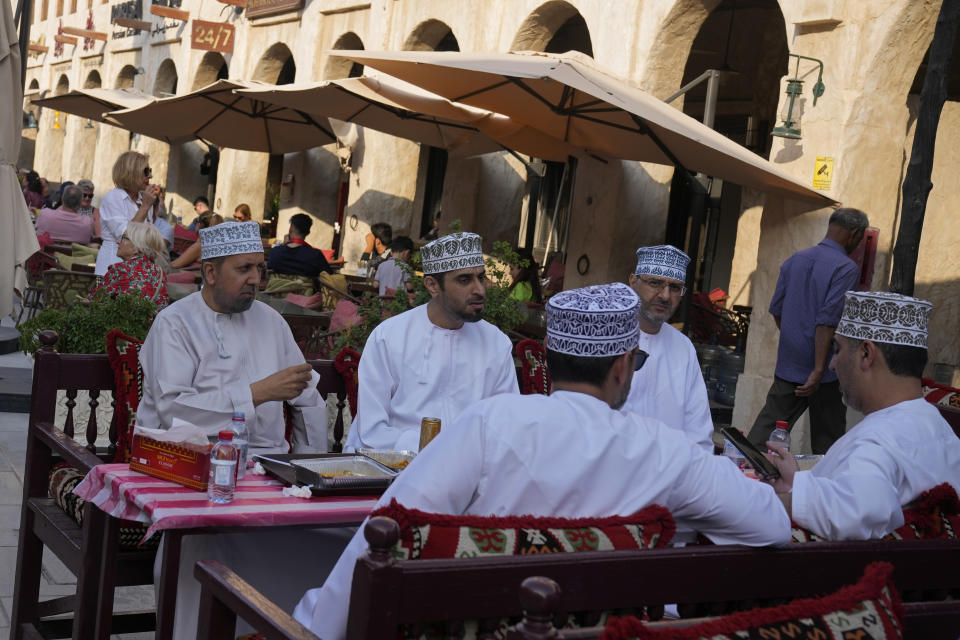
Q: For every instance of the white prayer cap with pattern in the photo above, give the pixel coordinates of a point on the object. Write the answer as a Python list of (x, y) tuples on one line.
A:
[(229, 239), (664, 261), (451, 252), (880, 316), (594, 322)]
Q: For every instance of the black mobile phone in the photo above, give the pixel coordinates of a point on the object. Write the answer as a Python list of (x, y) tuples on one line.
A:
[(764, 468)]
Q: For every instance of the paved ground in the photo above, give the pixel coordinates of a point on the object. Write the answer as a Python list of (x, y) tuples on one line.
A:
[(57, 580)]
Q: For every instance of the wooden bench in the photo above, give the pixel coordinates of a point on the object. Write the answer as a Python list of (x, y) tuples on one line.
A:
[(90, 552), (389, 593)]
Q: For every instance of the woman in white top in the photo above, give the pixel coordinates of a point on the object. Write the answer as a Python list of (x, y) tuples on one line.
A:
[(130, 201)]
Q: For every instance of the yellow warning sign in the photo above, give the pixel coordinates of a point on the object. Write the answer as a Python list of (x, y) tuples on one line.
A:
[(823, 172)]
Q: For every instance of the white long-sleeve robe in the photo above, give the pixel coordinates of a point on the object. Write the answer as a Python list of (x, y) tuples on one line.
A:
[(198, 366), (859, 488), (412, 369), (670, 387), (117, 209), (567, 455)]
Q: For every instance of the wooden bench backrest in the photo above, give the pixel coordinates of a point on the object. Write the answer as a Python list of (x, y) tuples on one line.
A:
[(332, 382), (388, 593), (952, 416), (53, 372)]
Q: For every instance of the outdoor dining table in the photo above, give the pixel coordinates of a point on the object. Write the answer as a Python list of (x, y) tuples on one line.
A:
[(177, 511)]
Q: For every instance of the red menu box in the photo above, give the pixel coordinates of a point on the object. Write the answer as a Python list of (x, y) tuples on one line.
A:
[(186, 464)]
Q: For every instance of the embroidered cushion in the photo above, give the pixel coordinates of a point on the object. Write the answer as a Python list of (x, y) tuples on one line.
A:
[(934, 514), (431, 535), (61, 482), (936, 393), (868, 609), (124, 355), (534, 375)]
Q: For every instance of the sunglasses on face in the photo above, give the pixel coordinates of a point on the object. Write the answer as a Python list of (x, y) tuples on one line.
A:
[(640, 357), (88, 195), (148, 173)]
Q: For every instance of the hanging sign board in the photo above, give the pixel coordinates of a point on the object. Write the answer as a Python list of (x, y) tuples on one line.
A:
[(261, 8), (823, 172), (212, 36)]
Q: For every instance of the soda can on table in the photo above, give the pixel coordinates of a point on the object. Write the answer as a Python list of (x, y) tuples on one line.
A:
[(429, 429)]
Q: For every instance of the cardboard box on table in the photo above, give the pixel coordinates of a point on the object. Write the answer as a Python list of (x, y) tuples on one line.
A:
[(184, 463)]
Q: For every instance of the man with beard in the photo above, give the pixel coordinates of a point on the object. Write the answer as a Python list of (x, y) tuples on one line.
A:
[(435, 359), (570, 454), (220, 351), (901, 448), (670, 386)]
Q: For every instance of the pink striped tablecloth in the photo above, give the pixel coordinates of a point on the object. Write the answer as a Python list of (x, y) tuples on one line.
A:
[(258, 501)]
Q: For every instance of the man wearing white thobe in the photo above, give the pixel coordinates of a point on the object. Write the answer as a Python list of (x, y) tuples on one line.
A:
[(216, 352), (571, 454), (670, 385), (435, 359), (901, 448)]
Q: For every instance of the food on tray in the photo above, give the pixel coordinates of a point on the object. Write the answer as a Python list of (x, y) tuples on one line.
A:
[(339, 474)]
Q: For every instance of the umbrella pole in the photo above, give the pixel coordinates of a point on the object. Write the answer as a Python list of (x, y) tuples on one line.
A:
[(24, 11)]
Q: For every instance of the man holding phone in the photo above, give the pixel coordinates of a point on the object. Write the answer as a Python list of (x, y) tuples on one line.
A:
[(902, 447)]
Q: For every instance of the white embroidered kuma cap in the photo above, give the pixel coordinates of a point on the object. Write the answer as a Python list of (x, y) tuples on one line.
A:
[(451, 252), (594, 322), (230, 239), (880, 316), (664, 261)]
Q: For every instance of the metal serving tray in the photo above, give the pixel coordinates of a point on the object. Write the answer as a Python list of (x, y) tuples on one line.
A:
[(396, 460), (307, 469)]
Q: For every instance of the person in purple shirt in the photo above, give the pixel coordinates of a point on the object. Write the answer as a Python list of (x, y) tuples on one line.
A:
[(807, 306)]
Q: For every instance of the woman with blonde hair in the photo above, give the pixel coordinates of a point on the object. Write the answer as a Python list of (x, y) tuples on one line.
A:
[(141, 270), (131, 201)]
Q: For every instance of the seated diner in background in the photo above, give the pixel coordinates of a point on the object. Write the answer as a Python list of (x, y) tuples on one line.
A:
[(525, 286), (86, 207), (377, 250), (66, 224), (193, 253), (242, 213), (141, 271), (391, 276), (568, 455), (35, 191), (901, 448), (295, 257)]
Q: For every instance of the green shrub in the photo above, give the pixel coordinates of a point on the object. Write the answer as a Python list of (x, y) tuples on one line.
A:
[(83, 327)]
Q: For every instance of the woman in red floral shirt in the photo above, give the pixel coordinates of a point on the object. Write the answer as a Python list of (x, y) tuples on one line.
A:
[(143, 252)]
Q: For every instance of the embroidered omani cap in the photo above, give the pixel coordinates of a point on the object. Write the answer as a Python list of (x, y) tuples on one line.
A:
[(449, 253), (665, 261), (594, 322), (880, 316), (229, 239)]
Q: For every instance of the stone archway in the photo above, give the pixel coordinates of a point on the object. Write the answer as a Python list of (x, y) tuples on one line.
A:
[(165, 84), (554, 27), (212, 67), (126, 77), (431, 35), (337, 67), (63, 86), (93, 80)]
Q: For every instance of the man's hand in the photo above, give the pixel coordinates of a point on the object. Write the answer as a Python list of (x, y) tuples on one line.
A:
[(285, 384), (809, 387), (785, 463)]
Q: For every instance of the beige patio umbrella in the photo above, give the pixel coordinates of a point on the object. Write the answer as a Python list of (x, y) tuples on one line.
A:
[(93, 103), (220, 116), (407, 111), (17, 238), (572, 101)]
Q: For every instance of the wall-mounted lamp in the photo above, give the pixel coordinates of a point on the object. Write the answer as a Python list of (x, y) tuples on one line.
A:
[(56, 121), (89, 124), (32, 120), (791, 121), (138, 71)]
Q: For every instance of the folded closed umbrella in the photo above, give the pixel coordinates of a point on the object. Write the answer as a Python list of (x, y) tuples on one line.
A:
[(219, 115), (94, 103), (17, 238), (567, 98)]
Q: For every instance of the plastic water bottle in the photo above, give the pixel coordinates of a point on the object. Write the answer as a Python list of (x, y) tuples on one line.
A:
[(732, 453), (781, 435), (241, 439), (223, 469)]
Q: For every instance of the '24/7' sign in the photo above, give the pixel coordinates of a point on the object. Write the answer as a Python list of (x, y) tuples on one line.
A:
[(212, 36)]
